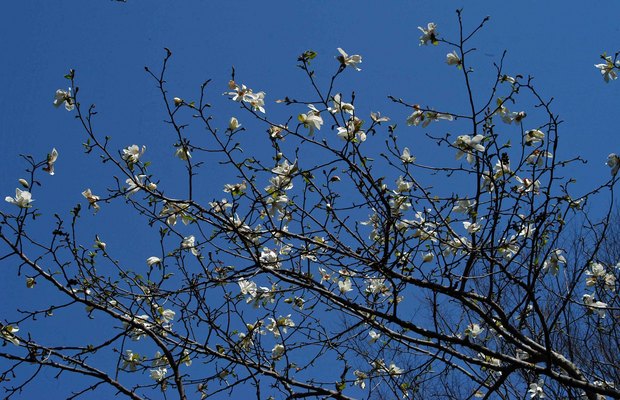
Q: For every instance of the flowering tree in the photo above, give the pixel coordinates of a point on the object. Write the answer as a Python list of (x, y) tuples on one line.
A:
[(333, 265)]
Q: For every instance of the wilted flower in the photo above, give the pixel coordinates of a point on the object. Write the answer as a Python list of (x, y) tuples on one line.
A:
[(22, 198), (349, 61)]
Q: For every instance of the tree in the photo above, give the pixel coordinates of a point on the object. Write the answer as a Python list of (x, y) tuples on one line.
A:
[(332, 268)]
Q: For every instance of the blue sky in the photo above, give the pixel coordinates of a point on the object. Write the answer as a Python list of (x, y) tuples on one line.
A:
[(109, 44)]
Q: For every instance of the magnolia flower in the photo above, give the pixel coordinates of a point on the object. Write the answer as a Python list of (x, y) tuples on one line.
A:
[(419, 116), (131, 360), (8, 333), (473, 330), (312, 119), (374, 336), (153, 261), (269, 258), (429, 34), (406, 157), (23, 182), (553, 262), (377, 118), (167, 315), (536, 389), (471, 227), (538, 157), (402, 185), (183, 153), (246, 95), (64, 96), (526, 185), (159, 374), (393, 370), (428, 257), (453, 59), (608, 68), (233, 124), (132, 153), (466, 145), (134, 184), (340, 105), (533, 136), (189, 242), (51, 159), (353, 131), (247, 287), (349, 61), (359, 379), (280, 324), (22, 198), (464, 206), (236, 189), (92, 199), (613, 162), (277, 352), (99, 244), (345, 286), (177, 101), (597, 306)]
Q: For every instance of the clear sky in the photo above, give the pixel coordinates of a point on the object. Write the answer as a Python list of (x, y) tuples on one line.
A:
[(109, 43)]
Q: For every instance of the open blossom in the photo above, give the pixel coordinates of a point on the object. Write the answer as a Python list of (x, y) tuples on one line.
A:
[(51, 160), (374, 336), (526, 185), (453, 59), (135, 184), (608, 69), (133, 153), (167, 315), (406, 157), (425, 118), (64, 97), (466, 145), (553, 262), (131, 360), (538, 157), (345, 286), (613, 162), (533, 136), (269, 258), (246, 95), (429, 34), (349, 60), (473, 330), (92, 199), (22, 198), (189, 242), (594, 305), (247, 287), (158, 374), (353, 131), (312, 119), (8, 333), (536, 390), (340, 105), (277, 352), (280, 325), (376, 117), (236, 188)]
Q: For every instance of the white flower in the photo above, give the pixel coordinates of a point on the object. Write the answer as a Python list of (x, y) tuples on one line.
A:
[(8, 333), (533, 136), (608, 69), (183, 153), (464, 206), (428, 257), (526, 185), (99, 244), (177, 101), (553, 262), (453, 59), (376, 117), (359, 379), (167, 315), (51, 159), (349, 61), (92, 199), (419, 116), (536, 389), (247, 287), (134, 184), (246, 95), (277, 352), (189, 242), (473, 330), (471, 227), (466, 145), (352, 132), (131, 360), (269, 258), (340, 105), (345, 286), (613, 162), (312, 119), (153, 260), (429, 34), (236, 188), (134, 332), (64, 96), (406, 157), (393, 370), (22, 198), (159, 374), (374, 336), (132, 153), (281, 324), (538, 157), (233, 124), (594, 305)]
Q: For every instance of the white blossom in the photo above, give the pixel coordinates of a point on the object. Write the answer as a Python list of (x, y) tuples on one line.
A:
[(22, 199), (349, 60)]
